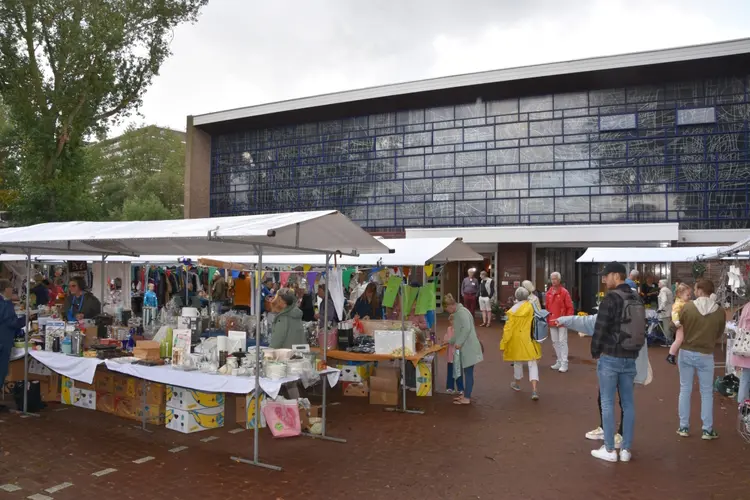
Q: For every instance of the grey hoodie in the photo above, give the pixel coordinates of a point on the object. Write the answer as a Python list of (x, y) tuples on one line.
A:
[(703, 323)]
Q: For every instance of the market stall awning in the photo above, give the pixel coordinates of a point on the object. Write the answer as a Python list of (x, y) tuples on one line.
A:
[(404, 252), (286, 233), (647, 254), (740, 247), (54, 259)]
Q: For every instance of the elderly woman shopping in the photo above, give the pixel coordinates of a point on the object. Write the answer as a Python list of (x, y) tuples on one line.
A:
[(517, 344), (467, 345)]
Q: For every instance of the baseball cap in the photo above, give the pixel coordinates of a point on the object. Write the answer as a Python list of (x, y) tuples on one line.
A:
[(613, 267)]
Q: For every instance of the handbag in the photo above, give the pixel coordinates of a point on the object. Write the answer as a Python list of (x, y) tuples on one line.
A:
[(457, 368), (741, 345)]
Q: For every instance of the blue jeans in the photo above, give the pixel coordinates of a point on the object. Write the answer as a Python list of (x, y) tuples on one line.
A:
[(617, 374), (469, 376), (459, 382), (690, 362), (744, 392)]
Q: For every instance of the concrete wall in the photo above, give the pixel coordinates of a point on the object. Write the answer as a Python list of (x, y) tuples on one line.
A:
[(197, 172)]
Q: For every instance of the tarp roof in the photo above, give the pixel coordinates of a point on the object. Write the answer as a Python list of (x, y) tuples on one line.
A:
[(285, 233), (732, 250), (647, 254), (405, 252)]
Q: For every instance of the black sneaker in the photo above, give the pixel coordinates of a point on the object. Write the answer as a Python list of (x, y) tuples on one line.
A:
[(710, 435)]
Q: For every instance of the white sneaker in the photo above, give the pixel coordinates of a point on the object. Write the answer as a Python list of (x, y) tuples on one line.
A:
[(556, 366), (563, 368), (603, 454), (625, 456), (618, 441), (596, 435)]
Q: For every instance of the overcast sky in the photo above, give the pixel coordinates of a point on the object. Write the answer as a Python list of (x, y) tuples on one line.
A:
[(246, 52)]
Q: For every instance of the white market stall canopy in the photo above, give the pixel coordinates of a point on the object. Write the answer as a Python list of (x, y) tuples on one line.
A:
[(287, 233), (404, 252), (740, 247), (55, 259), (647, 254)]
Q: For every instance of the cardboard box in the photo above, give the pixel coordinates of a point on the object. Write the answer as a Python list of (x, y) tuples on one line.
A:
[(15, 372), (125, 387), (51, 389), (180, 398), (156, 393), (66, 390), (105, 402), (384, 386), (245, 411), (104, 382), (356, 373), (371, 325), (424, 379), (148, 350), (387, 341), (190, 421), (356, 389), (126, 408), (91, 337), (83, 398), (156, 414)]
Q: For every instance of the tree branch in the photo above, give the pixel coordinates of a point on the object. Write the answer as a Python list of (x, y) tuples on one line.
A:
[(33, 64)]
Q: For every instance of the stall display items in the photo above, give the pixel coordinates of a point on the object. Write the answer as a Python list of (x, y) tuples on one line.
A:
[(390, 342)]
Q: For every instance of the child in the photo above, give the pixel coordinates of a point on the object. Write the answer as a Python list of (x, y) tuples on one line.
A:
[(449, 384), (682, 296)]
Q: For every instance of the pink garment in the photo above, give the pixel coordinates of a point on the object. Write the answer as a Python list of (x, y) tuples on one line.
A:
[(448, 336), (744, 323), (284, 278)]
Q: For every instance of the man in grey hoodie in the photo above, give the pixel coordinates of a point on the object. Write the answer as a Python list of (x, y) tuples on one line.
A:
[(703, 324)]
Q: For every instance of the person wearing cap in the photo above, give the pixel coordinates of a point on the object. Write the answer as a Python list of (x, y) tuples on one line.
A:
[(616, 362), (266, 292), (218, 287)]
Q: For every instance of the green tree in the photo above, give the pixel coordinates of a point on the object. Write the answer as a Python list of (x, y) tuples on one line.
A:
[(68, 70), (143, 162), (146, 207)]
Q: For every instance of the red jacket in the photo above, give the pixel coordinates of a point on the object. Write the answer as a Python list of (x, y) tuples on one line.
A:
[(558, 303)]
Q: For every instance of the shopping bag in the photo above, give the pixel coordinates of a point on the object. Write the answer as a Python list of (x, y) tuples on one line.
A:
[(282, 417), (741, 346), (457, 368), (643, 373)]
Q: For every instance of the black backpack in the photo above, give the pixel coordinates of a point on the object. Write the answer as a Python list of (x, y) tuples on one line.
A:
[(631, 333)]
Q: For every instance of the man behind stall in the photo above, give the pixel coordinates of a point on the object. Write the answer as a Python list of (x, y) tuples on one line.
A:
[(10, 325)]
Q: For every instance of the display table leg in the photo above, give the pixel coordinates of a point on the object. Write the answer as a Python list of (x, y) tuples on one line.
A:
[(324, 435), (146, 388)]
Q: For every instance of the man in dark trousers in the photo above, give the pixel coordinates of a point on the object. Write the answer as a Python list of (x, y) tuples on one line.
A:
[(10, 325)]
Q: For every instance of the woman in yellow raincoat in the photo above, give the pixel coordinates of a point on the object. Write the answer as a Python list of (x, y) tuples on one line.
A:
[(517, 344)]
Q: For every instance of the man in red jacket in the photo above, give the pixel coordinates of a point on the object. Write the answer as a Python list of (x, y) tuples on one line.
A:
[(558, 304)]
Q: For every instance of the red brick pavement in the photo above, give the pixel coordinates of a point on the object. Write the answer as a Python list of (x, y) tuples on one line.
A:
[(504, 446)]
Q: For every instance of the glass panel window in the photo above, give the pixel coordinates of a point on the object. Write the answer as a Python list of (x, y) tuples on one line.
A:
[(696, 116), (617, 122)]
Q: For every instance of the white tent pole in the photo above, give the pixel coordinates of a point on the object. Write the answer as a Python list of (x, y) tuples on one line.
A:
[(257, 389), (324, 378), (26, 336)]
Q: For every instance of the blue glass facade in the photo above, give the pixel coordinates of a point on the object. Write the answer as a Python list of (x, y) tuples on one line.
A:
[(673, 152)]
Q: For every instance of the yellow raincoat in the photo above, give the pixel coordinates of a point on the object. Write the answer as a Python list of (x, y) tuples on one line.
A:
[(517, 344)]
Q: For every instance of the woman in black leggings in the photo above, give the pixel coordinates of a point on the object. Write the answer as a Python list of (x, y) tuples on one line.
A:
[(598, 433)]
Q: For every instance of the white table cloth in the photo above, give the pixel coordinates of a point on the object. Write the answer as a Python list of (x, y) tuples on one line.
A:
[(208, 382), (75, 367)]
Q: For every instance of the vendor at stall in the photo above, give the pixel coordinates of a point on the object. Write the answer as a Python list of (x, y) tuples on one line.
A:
[(80, 304), (10, 326), (287, 325), (368, 304), (305, 301), (218, 287), (40, 290)]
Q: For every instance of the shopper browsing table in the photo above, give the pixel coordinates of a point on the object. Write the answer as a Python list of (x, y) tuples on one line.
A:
[(287, 325), (466, 343), (368, 304), (10, 325)]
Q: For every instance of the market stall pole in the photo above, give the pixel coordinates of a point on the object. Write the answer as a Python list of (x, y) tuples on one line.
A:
[(26, 339), (403, 408), (323, 379)]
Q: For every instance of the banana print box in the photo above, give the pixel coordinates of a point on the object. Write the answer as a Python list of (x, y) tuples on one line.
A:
[(190, 421), (179, 398), (424, 379)]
